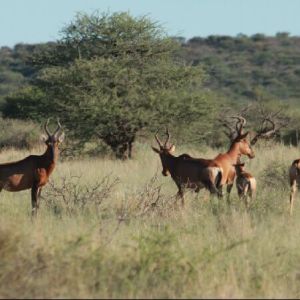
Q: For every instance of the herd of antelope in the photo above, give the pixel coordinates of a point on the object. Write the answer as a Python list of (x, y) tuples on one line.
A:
[(33, 172), (213, 174)]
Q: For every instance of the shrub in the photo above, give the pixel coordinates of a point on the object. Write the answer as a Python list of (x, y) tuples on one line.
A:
[(72, 197), (147, 201)]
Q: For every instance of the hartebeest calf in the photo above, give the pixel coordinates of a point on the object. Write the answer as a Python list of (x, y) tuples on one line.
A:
[(33, 171), (188, 172), (245, 182)]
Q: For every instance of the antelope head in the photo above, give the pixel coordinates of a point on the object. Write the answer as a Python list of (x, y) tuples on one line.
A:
[(241, 138), (239, 167), (53, 140), (271, 123), (165, 150)]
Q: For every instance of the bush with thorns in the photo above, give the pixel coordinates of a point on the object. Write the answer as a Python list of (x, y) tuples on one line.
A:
[(69, 195)]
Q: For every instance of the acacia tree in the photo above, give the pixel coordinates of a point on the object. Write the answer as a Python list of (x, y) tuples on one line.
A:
[(110, 76)]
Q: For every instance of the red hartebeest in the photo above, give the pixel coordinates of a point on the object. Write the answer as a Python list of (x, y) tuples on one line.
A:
[(275, 119), (239, 146), (294, 176), (188, 172), (33, 171), (245, 182)]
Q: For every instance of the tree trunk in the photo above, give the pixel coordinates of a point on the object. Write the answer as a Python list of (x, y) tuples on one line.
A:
[(122, 151)]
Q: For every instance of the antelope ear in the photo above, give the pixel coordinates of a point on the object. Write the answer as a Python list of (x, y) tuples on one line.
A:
[(155, 150), (61, 137), (44, 138), (172, 149)]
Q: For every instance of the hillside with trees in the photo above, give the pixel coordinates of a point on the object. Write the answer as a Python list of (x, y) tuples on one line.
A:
[(236, 66), (111, 77), (239, 66)]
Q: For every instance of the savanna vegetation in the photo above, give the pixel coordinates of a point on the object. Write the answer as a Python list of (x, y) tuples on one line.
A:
[(109, 225), (108, 228)]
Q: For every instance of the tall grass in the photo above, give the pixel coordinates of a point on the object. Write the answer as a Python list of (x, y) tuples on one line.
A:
[(17, 133), (118, 233)]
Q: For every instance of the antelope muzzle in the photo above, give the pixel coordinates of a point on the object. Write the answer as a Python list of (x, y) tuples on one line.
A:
[(251, 154)]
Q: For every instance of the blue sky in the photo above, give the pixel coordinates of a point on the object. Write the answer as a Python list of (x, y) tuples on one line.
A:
[(34, 21)]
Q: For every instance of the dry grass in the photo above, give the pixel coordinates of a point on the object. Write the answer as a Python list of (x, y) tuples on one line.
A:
[(108, 240)]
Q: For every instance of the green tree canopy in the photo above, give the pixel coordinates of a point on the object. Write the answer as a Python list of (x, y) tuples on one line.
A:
[(110, 76)]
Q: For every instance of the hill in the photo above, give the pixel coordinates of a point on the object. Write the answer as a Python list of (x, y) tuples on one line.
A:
[(239, 66), (236, 66)]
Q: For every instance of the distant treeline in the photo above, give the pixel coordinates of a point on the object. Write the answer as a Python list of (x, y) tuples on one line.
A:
[(236, 66)]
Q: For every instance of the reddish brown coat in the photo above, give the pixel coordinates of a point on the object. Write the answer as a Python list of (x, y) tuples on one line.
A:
[(240, 146), (33, 171), (245, 182), (186, 171), (294, 179)]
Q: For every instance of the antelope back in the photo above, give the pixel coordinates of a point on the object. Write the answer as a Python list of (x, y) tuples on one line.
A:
[(294, 171)]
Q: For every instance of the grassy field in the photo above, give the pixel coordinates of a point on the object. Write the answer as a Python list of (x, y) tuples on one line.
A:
[(98, 233)]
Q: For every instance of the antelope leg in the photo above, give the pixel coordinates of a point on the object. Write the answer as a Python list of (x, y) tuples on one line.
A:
[(292, 195), (34, 200)]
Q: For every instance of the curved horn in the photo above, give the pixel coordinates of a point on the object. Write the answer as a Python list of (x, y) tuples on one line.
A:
[(46, 127), (58, 127), (243, 123), (157, 139), (240, 124), (168, 137)]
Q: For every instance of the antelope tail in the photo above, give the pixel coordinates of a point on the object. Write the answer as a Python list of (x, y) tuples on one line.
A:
[(247, 188), (218, 179), (215, 179)]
